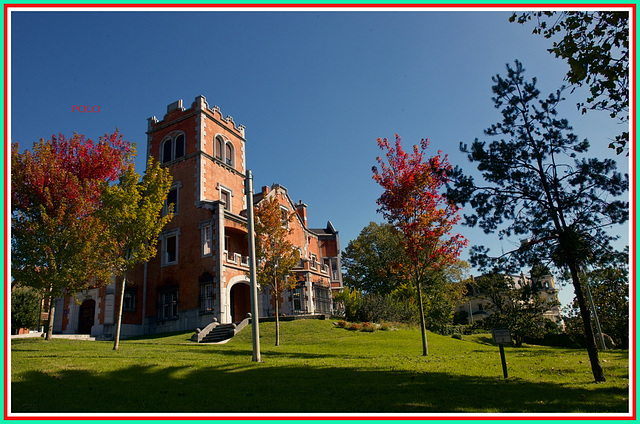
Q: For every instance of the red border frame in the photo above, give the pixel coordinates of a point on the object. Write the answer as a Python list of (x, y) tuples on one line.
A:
[(632, 141)]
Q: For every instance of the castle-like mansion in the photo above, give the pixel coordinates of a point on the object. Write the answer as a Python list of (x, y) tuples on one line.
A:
[(200, 271)]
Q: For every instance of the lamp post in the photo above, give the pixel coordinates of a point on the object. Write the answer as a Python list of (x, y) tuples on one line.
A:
[(248, 189)]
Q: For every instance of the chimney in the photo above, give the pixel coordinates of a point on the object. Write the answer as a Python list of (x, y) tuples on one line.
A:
[(301, 209), (265, 190)]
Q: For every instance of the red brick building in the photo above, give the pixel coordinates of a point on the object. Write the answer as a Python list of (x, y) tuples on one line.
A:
[(200, 271)]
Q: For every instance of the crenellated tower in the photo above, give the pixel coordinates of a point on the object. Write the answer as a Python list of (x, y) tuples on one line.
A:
[(190, 278)]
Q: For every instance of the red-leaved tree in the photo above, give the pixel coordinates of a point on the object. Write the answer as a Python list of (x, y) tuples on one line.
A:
[(412, 202), (56, 238)]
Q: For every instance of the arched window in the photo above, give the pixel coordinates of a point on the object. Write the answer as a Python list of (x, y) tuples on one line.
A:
[(179, 146), (167, 150), (218, 146), (173, 147), (229, 154)]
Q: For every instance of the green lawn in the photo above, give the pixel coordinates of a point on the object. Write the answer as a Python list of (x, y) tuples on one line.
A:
[(318, 368)]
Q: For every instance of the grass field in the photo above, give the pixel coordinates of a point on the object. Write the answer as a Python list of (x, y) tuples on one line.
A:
[(317, 369)]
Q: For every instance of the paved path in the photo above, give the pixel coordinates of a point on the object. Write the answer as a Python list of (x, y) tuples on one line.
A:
[(55, 336)]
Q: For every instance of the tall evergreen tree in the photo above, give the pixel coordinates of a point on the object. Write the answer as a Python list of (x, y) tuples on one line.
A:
[(595, 45), (538, 185)]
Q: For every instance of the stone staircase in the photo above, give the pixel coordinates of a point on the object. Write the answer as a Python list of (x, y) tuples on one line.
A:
[(216, 332), (220, 333)]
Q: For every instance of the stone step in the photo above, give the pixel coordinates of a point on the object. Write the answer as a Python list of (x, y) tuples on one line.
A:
[(220, 333)]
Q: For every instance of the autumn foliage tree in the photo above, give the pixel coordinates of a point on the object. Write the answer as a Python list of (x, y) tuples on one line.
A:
[(276, 256), (57, 240), (133, 210), (413, 203)]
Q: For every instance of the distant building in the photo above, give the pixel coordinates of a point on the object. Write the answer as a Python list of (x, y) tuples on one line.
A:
[(200, 271), (477, 305)]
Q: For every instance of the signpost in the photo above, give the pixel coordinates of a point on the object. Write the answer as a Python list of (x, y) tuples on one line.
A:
[(502, 336)]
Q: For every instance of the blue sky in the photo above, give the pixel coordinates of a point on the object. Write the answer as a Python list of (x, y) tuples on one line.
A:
[(314, 89)]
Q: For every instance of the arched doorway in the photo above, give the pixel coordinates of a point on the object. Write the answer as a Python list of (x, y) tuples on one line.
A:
[(240, 301), (86, 315)]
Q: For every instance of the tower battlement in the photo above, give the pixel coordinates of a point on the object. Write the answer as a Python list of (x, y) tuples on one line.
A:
[(175, 111)]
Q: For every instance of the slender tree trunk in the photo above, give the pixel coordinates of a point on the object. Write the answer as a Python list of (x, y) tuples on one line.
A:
[(116, 343), (52, 312), (592, 350), (275, 300), (423, 327), (568, 249)]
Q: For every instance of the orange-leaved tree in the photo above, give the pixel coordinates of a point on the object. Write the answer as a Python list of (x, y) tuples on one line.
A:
[(413, 202), (275, 254)]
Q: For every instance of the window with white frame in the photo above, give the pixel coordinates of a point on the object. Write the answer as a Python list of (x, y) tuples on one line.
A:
[(170, 248), (284, 212), (332, 268), (226, 195), (207, 242)]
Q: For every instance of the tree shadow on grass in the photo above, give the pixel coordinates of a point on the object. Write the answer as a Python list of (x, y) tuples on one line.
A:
[(485, 340), (302, 388)]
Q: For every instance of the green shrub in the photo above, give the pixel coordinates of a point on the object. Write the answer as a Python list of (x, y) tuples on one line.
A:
[(378, 308), (25, 307), (447, 330), (350, 301)]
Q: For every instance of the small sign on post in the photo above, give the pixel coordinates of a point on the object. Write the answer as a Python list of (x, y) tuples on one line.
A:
[(502, 336)]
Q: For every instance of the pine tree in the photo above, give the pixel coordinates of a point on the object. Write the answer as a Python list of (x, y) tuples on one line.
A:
[(538, 185)]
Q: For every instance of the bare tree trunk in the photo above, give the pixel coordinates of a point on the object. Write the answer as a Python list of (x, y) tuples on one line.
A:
[(423, 327), (116, 343), (275, 299), (592, 350), (52, 311)]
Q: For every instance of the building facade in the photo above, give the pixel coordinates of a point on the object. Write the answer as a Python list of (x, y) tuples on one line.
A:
[(478, 306), (201, 269)]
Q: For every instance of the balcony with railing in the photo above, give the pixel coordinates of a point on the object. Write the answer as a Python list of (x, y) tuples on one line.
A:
[(313, 265), (236, 247), (236, 258)]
